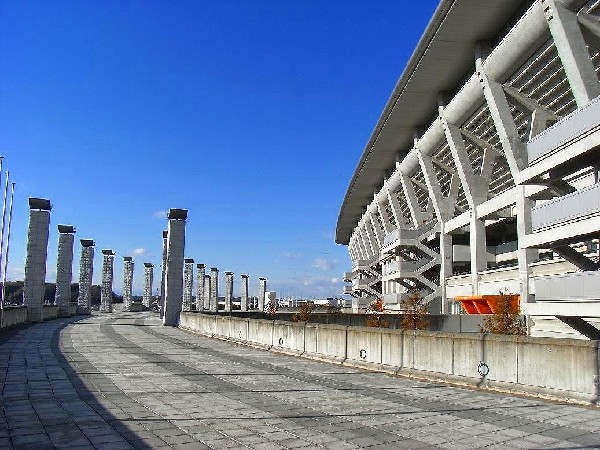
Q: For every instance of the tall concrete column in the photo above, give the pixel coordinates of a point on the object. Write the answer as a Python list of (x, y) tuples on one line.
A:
[(188, 284), (477, 241), (174, 271), (148, 282), (206, 297), (163, 272), (106, 289), (526, 256), (262, 289), (64, 269), (35, 263), (200, 273), (86, 271), (445, 266), (244, 294), (228, 291), (214, 289), (127, 281)]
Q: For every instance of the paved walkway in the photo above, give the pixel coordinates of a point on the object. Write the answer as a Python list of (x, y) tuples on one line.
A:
[(122, 381)]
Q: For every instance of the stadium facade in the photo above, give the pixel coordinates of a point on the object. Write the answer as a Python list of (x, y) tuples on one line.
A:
[(481, 174)]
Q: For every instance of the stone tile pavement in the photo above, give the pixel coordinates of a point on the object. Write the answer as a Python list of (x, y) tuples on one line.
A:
[(123, 381)]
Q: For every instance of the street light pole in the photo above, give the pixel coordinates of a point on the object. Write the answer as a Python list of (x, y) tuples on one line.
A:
[(10, 211)]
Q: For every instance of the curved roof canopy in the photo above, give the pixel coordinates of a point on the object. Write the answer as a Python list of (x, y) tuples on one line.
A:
[(445, 53)]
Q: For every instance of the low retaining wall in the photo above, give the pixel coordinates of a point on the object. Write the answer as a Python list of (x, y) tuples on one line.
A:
[(13, 315), (566, 369), (50, 312)]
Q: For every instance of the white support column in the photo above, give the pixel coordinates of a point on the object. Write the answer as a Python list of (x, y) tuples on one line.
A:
[(474, 186), (244, 293), (360, 245), (262, 290), (127, 282), (188, 284), (174, 272), (416, 214), (514, 149), (106, 289), (572, 51), (525, 255), (214, 289), (445, 266), (200, 277), (394, 207), (64, 269), (148, 284), (35, 262), (378, 233), (443, 206), (385, 221), (86, 271), (477, 242), (228, 291), (475, 189), (366, 245), (373, 251)]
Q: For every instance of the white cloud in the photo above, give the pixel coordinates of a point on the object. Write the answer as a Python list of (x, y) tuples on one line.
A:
[(160, 214), (291, 255), (324, 264), (139, 251)]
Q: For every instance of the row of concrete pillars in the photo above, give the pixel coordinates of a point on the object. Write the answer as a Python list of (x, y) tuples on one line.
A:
[(178, 278), (207, 290), (176, 275)]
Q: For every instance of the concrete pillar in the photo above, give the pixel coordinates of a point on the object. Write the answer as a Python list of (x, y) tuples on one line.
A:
[(262, 289), (148, 282), (163, 269), (228, 291), (86, 271), (244, 294), (214, 289), (35, 263), (188, 284), (445, 266), (106, 289), (478, 250), (206, 297), (64, 269), (127, 282), (174, 270), (200, 274), (526, 256), (573, 51)]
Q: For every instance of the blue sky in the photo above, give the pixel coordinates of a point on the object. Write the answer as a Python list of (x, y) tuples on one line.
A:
[(251, 114)]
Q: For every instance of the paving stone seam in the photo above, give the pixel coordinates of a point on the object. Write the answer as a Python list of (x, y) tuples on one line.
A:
[(226, 383), (490, 418)]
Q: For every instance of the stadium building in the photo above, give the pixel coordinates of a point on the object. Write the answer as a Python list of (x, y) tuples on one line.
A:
[(481, 174)]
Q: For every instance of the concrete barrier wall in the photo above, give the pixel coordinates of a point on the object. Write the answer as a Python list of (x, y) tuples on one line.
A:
[(239, 329), (288, 336), (331, 342), (559, 368), (260, 332), (364, 345), (50, 312), (13, 315)]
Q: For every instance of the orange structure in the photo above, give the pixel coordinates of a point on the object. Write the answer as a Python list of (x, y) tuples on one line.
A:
[(486, 304)]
